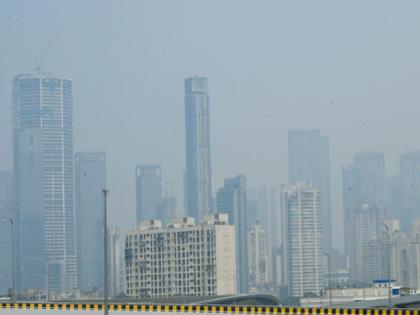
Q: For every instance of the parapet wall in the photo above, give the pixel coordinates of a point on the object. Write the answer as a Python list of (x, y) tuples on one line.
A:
[(50, 308)]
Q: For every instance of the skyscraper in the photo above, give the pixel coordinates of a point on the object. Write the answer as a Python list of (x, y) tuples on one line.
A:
[(231, 199), (197, 145), (364, 250), (364, 180), (6, 213), (410, 188), (43, 166), (302, 204), (90, 181), (148, 191), (309, 160), (371, 169)]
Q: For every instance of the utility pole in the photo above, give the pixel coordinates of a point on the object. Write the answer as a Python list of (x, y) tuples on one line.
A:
[(204, 264), (12, 224), (105, 194), (388, 263), (329, 278)]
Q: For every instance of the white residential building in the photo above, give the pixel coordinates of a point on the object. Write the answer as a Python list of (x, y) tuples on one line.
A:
[(257, 258), (116, 269), (304, 242), (181, 259)]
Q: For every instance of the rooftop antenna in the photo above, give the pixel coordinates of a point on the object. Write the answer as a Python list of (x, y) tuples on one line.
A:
[(38, 66)]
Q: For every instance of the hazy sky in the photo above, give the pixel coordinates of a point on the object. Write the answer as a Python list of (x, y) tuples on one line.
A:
[(349, 68)]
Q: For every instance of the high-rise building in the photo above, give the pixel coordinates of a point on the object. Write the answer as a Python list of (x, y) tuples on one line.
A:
[(364, 180), (365, 249), (183, 259), (376, 248), (257, 258), (309, 160), (116, 264), (252, 212), (371, 168), (6, 213), (43, 166), (391, 248), (231, 199), (302, 204), (268, 215), (148, 191), (90, 175), (352, 198), (410, 188), (166, 210), (197, 146), (273, 234), (412, 254), (394, 200)]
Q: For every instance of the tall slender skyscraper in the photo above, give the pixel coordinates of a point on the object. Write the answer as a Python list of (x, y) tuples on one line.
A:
[(43, 165), (90, 181), (197, 144), (6, 213), (231, 199), (148, 191), (303, 210), (309, 160)]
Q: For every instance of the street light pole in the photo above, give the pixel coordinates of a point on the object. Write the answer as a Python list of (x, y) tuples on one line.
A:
[(12, 226), (105, 193), (203, 265), (388, 263), (329, 278)]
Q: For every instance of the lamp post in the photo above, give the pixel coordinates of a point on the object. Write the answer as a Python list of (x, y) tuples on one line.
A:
[(388, 263), (329, 278), (12, 226), (204, 265), (105, 193)]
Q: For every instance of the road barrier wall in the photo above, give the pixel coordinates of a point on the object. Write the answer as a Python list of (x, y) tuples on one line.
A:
[(206, 309)]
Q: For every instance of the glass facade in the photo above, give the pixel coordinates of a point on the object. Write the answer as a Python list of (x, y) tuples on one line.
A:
[(90, 168), (197, 139), (43, 164)]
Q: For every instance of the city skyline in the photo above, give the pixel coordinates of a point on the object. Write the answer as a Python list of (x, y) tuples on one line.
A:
[(276, 150), (277, 74), (44, 170), (385, 176)]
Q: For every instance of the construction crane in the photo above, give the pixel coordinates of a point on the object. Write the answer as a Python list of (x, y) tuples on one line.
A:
[(38, 65)]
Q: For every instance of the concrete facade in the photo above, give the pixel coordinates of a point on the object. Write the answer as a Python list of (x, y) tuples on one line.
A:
[(182, 259)]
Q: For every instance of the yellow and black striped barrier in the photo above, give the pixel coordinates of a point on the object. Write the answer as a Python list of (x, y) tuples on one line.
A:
[(222, 309)]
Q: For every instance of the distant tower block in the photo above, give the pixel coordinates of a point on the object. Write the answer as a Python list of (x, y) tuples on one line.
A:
[(197, 139)]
